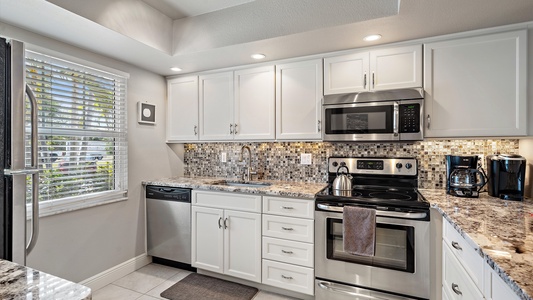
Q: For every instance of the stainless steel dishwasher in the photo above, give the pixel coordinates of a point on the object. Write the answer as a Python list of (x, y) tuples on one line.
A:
[(168, 222)]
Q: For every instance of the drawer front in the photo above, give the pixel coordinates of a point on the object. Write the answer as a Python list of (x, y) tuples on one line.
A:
[(464, 252), (301, 230), (456, 283), (291, 252), (289, 277), (234, 201), (290, 207)]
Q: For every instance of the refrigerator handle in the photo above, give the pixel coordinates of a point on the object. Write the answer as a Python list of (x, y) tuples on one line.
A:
[(35, 175)]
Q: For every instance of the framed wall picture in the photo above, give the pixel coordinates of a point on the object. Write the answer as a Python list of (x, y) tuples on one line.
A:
[(146, 113)]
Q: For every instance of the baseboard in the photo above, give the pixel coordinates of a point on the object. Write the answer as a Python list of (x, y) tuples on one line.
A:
[(108, 276)]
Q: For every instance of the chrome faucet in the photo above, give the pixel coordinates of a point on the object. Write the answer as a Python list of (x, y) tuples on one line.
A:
[(246, 176)]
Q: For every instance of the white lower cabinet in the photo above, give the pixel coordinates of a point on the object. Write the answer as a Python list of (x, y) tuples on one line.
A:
[(456, 283), (288, 244), (226, 241)]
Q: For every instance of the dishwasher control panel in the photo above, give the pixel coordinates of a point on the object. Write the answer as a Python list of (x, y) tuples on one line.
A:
[(168, 193)]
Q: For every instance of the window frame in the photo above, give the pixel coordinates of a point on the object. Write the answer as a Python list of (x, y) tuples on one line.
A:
[(72, 203)]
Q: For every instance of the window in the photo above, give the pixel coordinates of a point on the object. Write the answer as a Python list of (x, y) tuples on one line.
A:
[(82, 133)]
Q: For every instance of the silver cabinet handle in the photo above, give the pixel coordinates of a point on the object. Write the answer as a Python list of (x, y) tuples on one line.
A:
[(319, 125), (195, 130), (286, 277), (287, 228), (364, 81), (286, 252), (235, 131), (35, 175), (219, 225), (231, 128), (226, 223), (287, 207), (455, 289), (429, 121), (456, 245)]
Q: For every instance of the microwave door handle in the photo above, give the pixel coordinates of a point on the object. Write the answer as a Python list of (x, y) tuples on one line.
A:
[(396, 119)]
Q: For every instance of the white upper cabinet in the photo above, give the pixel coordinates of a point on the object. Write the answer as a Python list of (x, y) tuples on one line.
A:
[(299, 100), (476, 86), (385, 69), (216, 106), (182, 111), (255, 112)]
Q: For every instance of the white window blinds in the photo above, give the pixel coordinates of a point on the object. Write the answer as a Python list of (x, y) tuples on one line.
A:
[(82, 129)]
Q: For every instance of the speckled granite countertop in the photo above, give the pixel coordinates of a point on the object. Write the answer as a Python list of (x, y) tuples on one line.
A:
[(20, 282), (503, 230), (277, 188)]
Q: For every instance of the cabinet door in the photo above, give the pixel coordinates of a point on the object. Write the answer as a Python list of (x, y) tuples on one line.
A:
[(498, 289), (182, 112), (346, 73), (396, 68), (298, 100), (254, 104), (207, 239), (476, 86), (216, 106), (242, 245)]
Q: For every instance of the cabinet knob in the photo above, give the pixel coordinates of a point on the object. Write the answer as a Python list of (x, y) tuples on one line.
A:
[(319, 125), (429, 121), (230, 128), (226, 223), (287, 207), (219, 225), (364, 81), (455, 289), (235, 129), (373, 80), (286, 277), (287, 228), (456, 245), (286, 252), (195, 130)]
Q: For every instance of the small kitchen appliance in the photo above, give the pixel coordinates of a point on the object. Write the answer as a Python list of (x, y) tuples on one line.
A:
[(463, 176), (400, 266), (506, 176)]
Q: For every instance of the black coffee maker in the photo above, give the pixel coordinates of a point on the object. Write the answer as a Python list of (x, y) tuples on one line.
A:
[(506, 175), (463, 177)]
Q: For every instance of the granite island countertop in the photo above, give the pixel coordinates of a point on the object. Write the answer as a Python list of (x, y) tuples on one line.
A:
[(277, 188), (502, 229), (20, 282)]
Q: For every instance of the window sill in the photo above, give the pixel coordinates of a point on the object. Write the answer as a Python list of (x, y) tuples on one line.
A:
[(55, 207)]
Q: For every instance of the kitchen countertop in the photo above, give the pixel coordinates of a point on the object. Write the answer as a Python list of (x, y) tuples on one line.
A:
[(20, 282), (277, 188), (502, 229)]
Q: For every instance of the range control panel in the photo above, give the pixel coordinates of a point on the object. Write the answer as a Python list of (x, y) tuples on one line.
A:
[(376, 166)]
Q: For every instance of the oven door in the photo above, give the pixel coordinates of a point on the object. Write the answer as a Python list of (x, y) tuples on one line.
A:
[(361, 122), (401, 261)]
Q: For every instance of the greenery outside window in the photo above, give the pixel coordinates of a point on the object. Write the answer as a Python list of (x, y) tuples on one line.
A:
[(82, 133)]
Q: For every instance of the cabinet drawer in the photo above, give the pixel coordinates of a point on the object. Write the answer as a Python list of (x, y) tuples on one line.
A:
[(455, 281), (301, 230), (289, 207), (464, 252), (289, 277), (291, 252), (241, 202)]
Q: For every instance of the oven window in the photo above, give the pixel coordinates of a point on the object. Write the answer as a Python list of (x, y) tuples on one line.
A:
[(394, 247), (356, 120)]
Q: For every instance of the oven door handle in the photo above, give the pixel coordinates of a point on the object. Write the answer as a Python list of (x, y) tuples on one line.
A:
[(380, 213)]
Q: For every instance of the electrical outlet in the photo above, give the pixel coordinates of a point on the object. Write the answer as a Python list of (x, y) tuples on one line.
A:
[(305, 158), (223, 157)]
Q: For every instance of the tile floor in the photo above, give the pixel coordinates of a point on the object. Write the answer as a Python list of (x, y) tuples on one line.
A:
[(150, 281)]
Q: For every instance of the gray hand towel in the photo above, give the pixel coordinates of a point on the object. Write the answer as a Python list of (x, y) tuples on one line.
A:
[(359, 230)]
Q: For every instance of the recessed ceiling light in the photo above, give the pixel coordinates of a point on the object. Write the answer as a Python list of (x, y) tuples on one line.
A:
[(258, 56), (175, 69), (372, 37)]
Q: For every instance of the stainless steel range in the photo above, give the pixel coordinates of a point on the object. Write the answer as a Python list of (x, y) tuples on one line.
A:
[(399, 268)]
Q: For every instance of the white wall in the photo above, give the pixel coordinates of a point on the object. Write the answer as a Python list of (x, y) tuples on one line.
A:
[(83, 243)]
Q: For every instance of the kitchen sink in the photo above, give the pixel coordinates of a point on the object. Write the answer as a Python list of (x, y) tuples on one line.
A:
[(252, 184)]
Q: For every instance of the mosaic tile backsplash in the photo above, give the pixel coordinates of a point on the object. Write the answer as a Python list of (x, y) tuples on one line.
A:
[(281, 160)]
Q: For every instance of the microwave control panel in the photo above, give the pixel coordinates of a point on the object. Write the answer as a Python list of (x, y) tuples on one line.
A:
[(409, 118)]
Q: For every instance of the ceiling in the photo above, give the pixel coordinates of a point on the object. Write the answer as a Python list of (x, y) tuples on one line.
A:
[(159, 34)]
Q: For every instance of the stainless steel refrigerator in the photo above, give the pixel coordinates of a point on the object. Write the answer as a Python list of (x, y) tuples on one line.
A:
[(18, 167)]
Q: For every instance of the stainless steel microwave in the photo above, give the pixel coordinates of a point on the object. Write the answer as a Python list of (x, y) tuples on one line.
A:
[(394, 115)]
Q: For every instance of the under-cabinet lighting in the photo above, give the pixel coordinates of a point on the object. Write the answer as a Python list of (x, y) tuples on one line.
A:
[(258, 56), (372, 37), (175, 69)]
